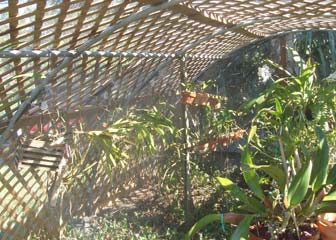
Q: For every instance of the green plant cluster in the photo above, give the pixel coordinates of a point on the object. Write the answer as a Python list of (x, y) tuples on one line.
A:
[(127, 138), (295, 116)]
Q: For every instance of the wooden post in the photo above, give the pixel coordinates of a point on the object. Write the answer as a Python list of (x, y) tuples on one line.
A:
[(283, 52), (188, 201)]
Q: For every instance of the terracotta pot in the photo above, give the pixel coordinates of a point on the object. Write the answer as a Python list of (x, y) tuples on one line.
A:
[(201, 99), (238, 134), (327, 224), (203, 148), (214, 103), (212, 145), (252, 236), (233, 218), (223, 140), (188, 97)]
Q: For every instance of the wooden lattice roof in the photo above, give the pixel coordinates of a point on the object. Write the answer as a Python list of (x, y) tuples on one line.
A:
[(132, 47)]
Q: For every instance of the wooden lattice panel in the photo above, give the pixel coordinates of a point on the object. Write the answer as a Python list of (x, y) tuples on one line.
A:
[(183, 27), (41, 155), (205, 30)]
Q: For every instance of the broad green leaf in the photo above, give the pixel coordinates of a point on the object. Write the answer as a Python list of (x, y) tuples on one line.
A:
[(200, 224), (231, 187), (274, 172), (331, 179), (299, 186), (253, 204), (243, 229), (250, 176), (309, 204), (326, 206), (319, 173), (330, 197)]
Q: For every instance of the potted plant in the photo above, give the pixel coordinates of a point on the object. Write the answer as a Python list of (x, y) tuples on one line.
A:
[(289, 207)]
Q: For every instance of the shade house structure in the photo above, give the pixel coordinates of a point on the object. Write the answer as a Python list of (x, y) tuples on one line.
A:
[(65, 66)]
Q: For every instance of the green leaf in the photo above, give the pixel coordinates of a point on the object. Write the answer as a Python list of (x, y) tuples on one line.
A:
[(309, 204), (330, 197), (253, 204), (200, 224), (236, 191), (252, 133), (331, 179), (258, 100), (326, 206), (320, 170), (274, 172), (250, 176), (278, 106), (299, 186), (243, 229)]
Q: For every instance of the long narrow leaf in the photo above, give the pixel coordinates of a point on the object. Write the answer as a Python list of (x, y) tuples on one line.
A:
[(252, 133), (319, 174), (330, 197), (326, 206), (242, 230), (274, 172), (251, 202), (250, 176), (299, 186), (200, 224), (331, 179)]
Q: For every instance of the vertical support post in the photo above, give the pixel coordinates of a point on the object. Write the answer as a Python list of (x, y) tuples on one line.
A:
[(283, 51), (188, 202)]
